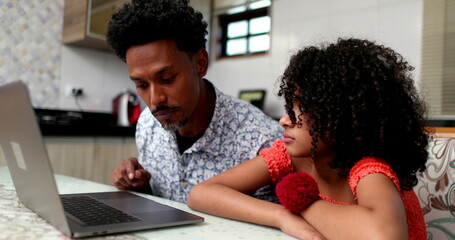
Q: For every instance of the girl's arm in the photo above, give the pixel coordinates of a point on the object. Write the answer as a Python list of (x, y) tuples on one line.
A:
[(225, 195), (380, 213)]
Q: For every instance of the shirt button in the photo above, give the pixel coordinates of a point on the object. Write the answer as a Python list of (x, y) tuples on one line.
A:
[(183, 184)]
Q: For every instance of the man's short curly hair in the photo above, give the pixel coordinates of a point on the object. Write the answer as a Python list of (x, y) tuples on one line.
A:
[(359, 97), (144, 21)]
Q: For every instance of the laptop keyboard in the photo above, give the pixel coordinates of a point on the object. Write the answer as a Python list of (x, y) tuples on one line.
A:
[(91, 212)]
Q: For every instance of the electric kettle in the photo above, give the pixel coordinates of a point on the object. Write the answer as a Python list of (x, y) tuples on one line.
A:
[(126, 108)]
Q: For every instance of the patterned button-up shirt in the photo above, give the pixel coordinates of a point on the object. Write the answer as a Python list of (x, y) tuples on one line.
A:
[(237, 132)]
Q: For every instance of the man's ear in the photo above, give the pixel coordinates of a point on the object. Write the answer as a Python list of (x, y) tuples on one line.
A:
[(202, 62)]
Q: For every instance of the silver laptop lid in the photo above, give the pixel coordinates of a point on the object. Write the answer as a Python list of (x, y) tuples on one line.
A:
[(25, 153)]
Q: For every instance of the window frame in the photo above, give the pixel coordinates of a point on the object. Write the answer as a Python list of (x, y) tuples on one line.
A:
[(225, 19)]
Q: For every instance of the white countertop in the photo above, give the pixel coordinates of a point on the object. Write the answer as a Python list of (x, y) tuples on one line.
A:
[(18, 222)]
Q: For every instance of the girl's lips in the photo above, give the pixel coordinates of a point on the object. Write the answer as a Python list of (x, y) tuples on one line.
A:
[(287, 138)]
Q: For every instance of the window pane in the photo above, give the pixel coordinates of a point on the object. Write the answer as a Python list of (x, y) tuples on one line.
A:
[(236, 10), (259, 43), (260, 4), (260, 25), (236, 46), (237, 29)]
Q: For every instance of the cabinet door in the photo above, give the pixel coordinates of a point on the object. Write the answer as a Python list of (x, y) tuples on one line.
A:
[(75, 20), (2, 158), (85, 22), (71, 156), (108, 154), (90, 158)]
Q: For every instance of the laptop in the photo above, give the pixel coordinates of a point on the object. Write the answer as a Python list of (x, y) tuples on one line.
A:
[(28, 162)]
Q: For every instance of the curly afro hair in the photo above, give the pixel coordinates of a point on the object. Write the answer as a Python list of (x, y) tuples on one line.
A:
[(360, 98), (144, 21)]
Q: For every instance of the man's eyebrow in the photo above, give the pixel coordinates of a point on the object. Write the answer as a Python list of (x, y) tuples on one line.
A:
[(161, 71)]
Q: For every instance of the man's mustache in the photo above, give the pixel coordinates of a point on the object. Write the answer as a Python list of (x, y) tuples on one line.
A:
[(164, 108)]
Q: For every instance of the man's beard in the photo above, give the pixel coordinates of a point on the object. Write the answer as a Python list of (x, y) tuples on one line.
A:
[(168, 125), (172, 127)]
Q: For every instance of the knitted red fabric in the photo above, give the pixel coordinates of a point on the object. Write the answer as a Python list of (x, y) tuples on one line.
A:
[(278, 160), (368, 165), (296, 191), (279, 165)]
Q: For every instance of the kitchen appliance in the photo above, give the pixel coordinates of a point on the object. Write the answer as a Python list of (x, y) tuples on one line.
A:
[(126, 108)]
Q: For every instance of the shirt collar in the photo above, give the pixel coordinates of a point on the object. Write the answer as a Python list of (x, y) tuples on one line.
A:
[(210, 141)]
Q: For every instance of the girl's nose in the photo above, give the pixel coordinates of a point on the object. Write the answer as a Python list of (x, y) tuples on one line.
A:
[(285, 121)]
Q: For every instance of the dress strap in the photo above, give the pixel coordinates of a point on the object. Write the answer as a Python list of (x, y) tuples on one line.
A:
[(369, 165)]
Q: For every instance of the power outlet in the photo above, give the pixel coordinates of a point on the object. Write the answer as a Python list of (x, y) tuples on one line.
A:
[(73, 91), (76, 92)]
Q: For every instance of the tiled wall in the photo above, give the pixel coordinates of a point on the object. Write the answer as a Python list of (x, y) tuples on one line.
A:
[(30, 49)]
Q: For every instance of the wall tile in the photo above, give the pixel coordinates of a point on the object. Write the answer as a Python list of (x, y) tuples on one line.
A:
[(30, 33)]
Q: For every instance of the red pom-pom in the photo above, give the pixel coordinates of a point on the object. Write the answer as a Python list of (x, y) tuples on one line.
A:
[(296, 191)]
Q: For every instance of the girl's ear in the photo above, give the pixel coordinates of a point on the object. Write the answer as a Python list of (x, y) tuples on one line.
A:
[(202, 62)]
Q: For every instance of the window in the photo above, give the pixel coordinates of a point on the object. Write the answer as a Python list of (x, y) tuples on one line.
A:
[(438, 58), (244, 29)]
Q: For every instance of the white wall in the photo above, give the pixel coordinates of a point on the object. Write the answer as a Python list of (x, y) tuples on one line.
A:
[(35, 55), (101, 75), (297, 23)]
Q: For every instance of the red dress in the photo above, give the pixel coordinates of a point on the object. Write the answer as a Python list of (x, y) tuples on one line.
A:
[(279, 165)]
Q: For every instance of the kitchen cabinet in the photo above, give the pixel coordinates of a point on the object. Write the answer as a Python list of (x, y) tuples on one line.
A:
[(2, 158), (85, 22), (90, 158)]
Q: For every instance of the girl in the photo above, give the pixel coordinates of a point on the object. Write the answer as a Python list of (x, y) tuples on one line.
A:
[(354, 123)]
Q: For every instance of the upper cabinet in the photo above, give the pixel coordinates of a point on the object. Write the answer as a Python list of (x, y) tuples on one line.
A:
[(85, 22)]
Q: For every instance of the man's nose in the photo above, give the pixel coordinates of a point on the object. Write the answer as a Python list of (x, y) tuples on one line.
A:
[(157, 95)]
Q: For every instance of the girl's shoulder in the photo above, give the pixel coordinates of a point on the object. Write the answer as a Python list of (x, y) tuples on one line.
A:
[(370, 165), (278, 160)]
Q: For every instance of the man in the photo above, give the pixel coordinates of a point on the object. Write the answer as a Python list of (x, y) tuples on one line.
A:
[(190, 131)]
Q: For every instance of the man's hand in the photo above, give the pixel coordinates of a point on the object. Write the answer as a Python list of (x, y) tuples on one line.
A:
[(130, 175)]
